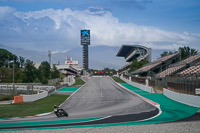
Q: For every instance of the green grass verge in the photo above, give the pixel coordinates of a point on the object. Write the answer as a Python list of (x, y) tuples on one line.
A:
[(32, 108), (117, 79), (78, 82)]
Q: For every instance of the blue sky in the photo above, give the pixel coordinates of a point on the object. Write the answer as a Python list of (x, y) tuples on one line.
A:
[(55, 24)]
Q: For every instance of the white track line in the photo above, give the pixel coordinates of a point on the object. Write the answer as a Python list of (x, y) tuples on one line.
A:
[(157, 105), (72, 94)]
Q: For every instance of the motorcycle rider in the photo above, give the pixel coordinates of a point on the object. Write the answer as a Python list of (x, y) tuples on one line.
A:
[(56, 108), (59, 112)]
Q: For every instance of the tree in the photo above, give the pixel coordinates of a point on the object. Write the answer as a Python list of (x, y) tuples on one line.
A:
[(7, 57), (106, 69), (110, 71), (81, 72), (21, 61), (29, 72), (19, 75), (186, 52), (44, 72), (6, 75), (166, 53), (55, 72), (137, 64)]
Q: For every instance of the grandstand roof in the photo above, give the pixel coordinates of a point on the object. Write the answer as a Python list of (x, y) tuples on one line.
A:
[(157, 63), (178, 66), (131, 52), (124, 50)]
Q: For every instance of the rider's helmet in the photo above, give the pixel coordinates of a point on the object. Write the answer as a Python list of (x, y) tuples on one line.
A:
[(55, 106)]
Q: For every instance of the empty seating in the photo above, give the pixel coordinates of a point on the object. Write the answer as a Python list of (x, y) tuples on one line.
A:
[(193, 70), (155, 63), (178, 66), (169, 71)]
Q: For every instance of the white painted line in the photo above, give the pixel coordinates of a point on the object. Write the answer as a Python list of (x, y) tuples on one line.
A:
[(157, 105), (145, 99)]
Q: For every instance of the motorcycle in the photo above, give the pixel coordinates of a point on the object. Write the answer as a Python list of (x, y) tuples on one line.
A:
[(60, 112)]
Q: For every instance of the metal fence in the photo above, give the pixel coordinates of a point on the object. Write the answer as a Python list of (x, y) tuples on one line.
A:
[(138, 80), (187, 85), (152, 83), (126, 76), (25, 89), (15, 89)]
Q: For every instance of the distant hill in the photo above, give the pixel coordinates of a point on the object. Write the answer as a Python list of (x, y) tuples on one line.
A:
[(28, 54), (99, 56)]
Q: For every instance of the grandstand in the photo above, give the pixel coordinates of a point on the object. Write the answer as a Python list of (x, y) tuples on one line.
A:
[(134, 52), (191, 71), (68, 70), (178, 67), (70, 67), (158, 65), (185, 81), (168, 72)]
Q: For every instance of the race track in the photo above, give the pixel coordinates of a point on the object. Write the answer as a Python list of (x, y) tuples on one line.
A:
[(100, 98)]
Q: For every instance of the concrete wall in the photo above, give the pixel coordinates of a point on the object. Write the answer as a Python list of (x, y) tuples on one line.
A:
[(69, 80), (47, 88), (179, 97), (53, 81), (140, 86), (183, 98), (31, 98)]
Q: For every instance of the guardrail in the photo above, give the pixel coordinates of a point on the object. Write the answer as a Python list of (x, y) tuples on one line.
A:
[(34, 97), (37, 92), (183, 98), (140, 86)]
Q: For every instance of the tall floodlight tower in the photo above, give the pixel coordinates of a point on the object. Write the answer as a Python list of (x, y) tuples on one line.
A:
[(49, 54), (85, 41)]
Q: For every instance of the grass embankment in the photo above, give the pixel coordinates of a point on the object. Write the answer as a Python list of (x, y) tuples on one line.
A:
[(117, 79), (78, 82), (26, 109)]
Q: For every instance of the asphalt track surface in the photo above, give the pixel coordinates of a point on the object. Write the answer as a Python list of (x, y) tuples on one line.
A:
[(99, 97)]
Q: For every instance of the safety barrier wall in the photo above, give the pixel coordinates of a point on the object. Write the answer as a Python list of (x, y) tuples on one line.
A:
[(68, 80), (183, 98), (25, 89), (140, 86), (47, 88), (31, 98)]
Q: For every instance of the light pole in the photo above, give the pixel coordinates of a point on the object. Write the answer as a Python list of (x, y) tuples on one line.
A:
[(49, 54), (13, 75), (8, 61)]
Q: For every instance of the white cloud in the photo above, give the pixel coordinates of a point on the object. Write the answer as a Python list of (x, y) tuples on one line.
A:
[(161, 46), (58, 51), (60, 29), (5, 11)]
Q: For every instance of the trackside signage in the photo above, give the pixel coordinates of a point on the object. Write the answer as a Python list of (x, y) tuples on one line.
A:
[(197, 91)]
